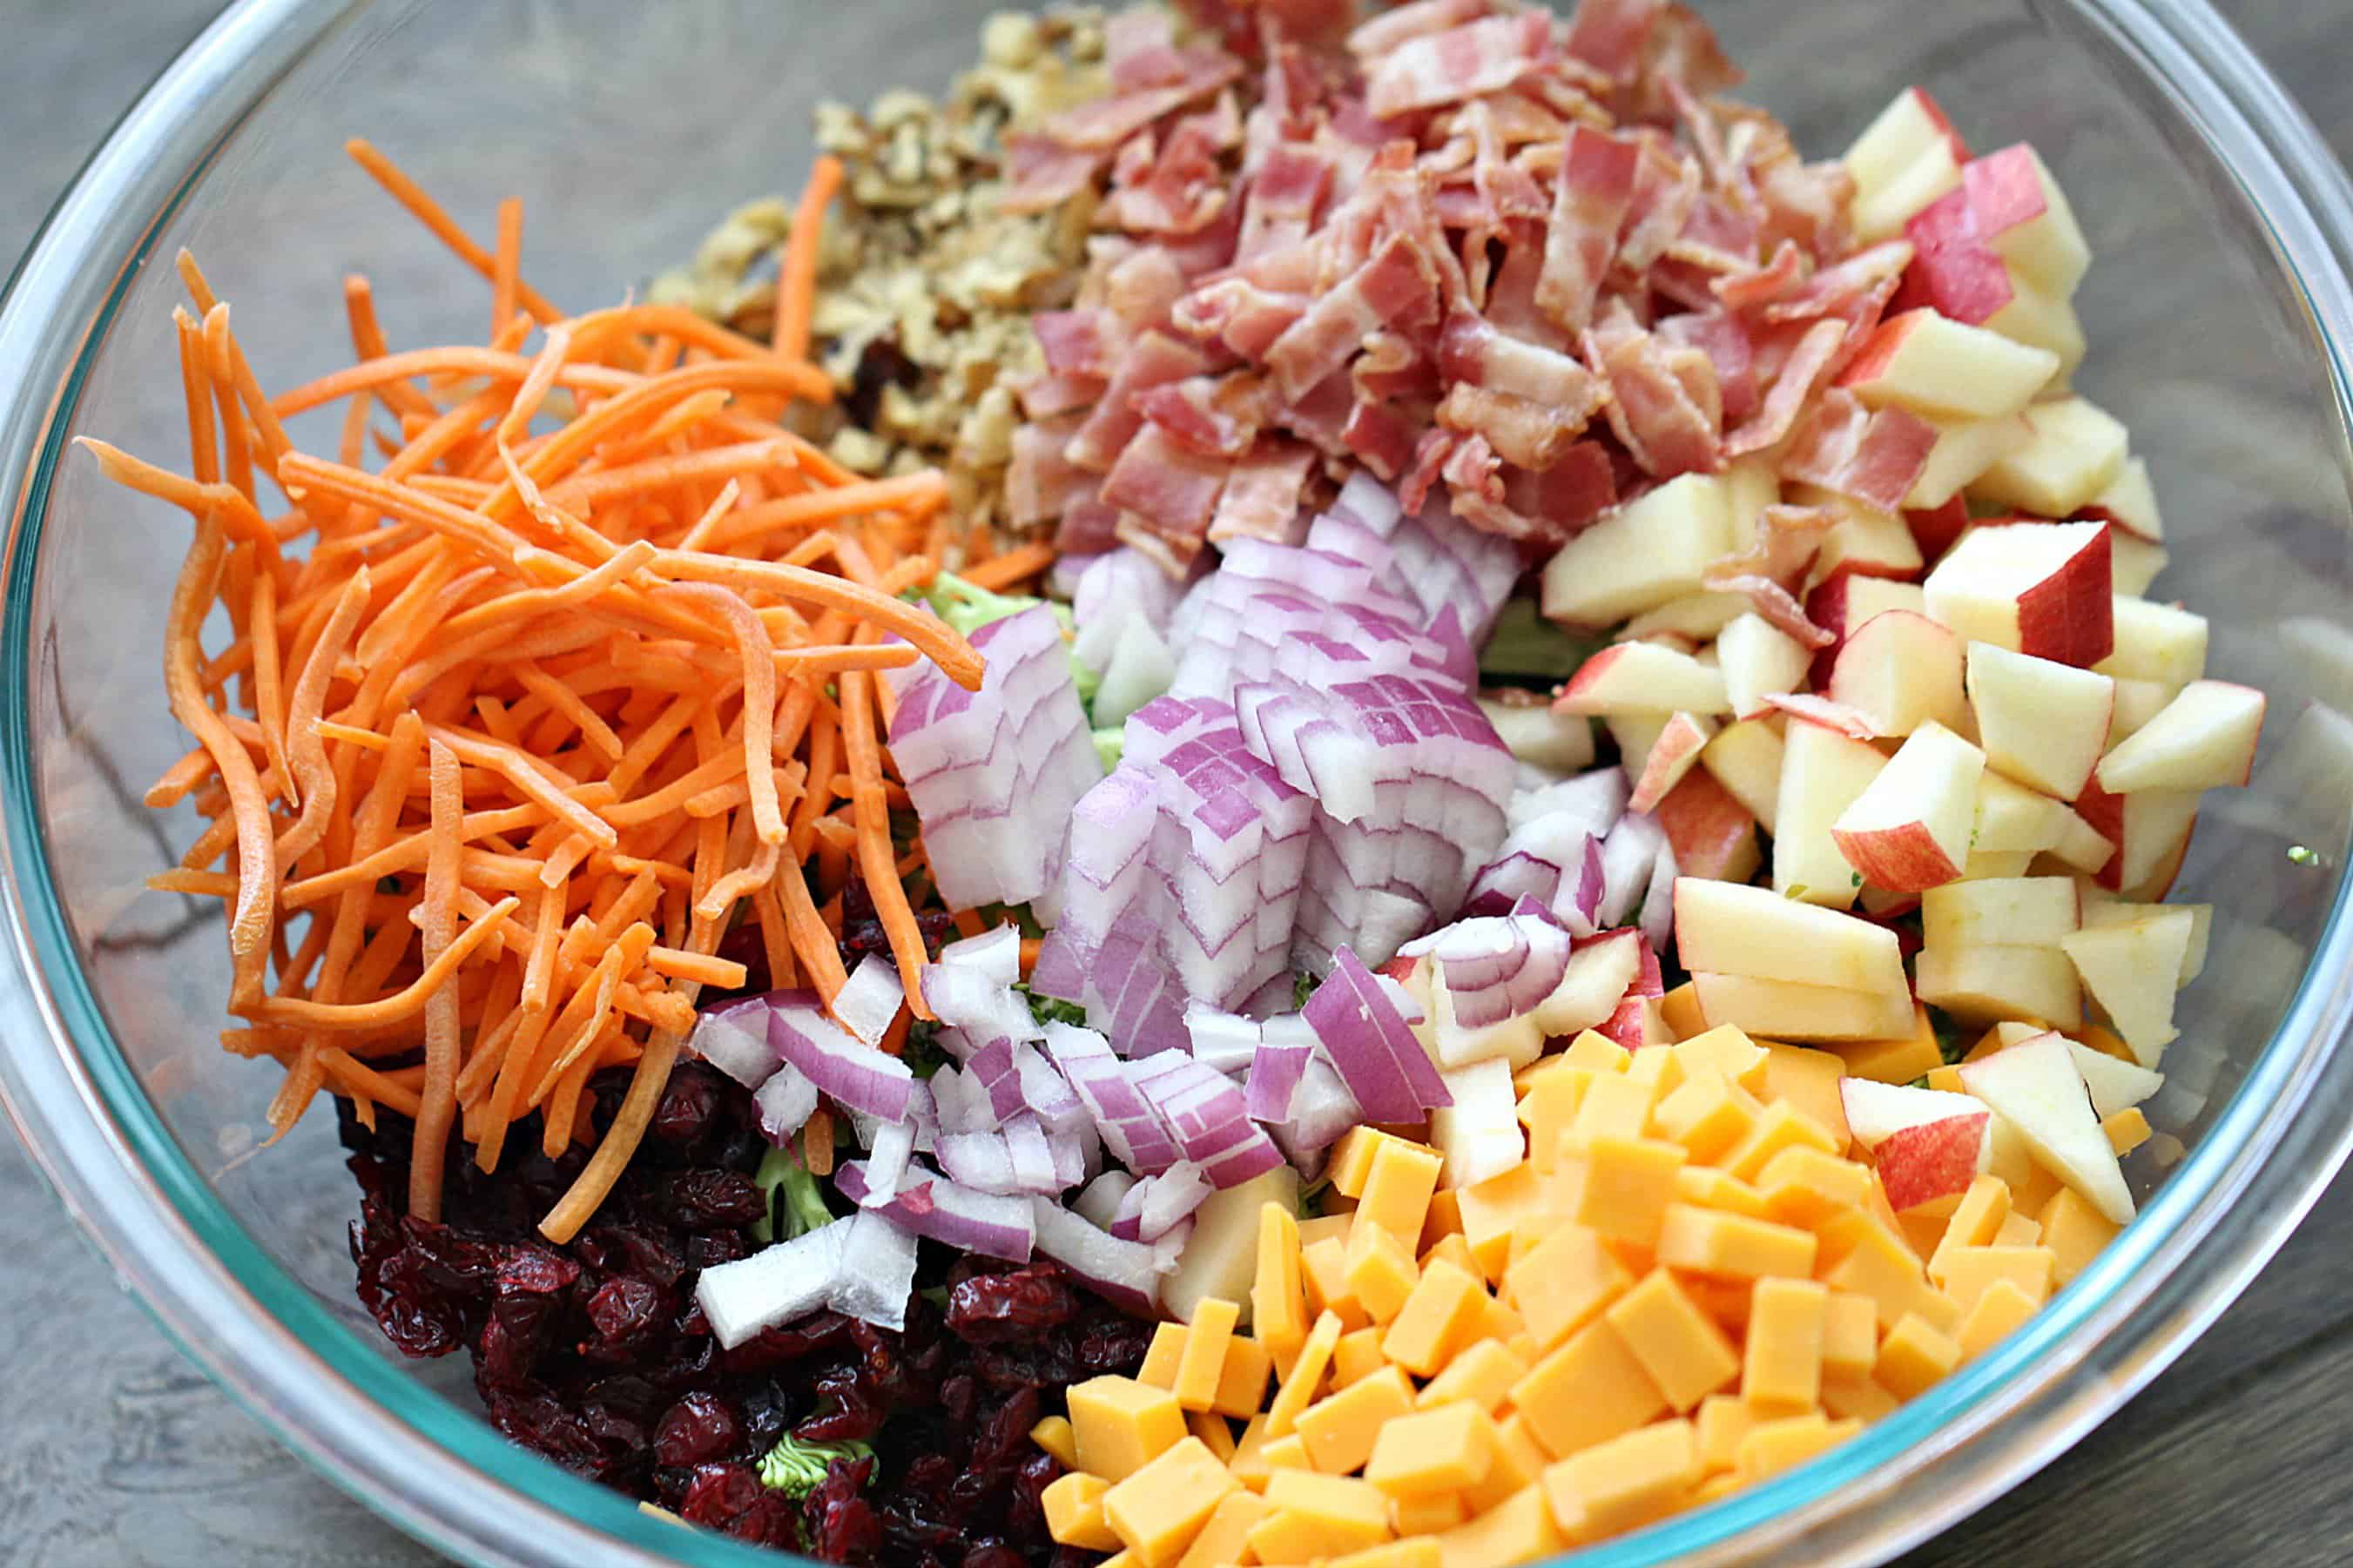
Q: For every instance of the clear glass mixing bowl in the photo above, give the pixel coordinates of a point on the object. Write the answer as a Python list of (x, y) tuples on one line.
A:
[(2220, 319)]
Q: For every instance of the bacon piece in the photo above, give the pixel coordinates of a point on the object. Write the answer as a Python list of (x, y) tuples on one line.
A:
[(1807, 202), (1418, 20), (1132, 164), (1470, 349), (1521, 431), (1430, 454), (1392, 368), (1873, 457), (1396, 283), (1716, 237), (1510, 300), (1260, 500), (1845, 289), (1783, 542), (1046, 173), (1485, 56), (1595, 191), (1789, 268), (1192, 413), (1652, 411), (1044, 396), (1666, 188), (1285, 192), (1538, 509), (1184, 191), (1090, 525), (1104, 123), (1724, 340), (1083, 343), (1608, 35), (1174, 492), (1155, 360), (1239, 313), (1041, 482), (1140, 49), (1379, 437), (1321, 417), (1807, 366), (1847, 719), (1142, 288)]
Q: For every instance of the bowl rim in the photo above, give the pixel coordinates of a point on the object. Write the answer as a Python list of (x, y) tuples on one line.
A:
[(446, 1477)]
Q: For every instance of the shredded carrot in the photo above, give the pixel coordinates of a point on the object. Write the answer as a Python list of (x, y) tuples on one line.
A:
[(428, 212), (506, 265), (1003, 572), (439, 1100), (796, 266)]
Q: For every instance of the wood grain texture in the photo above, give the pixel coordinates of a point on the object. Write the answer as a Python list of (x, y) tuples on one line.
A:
[(115, 1452)]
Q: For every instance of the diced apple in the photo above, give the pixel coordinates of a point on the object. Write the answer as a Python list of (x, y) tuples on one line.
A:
[(1641, 555), (1731, 929), (1846, 602), (1822, 773), (1670, 757), (1986, 984), (1877, 1111), (1996, 865), (1911, 124), (1641, 676), (2133, 971), (1712, 832), (1220, 1257), (1757, 658), (1745, 759), (2203, 738), (1964, 449), (1751, 484), (1933, 1159), (2022, 216), (2080, 847), (1931, 365), (1598, 974), (2115, 1084), (2076, 451), (1904, 670), (1533, 733), (1780, 1010), (2145, 825), (2041, 723), (2102, 908), (1695, 617), (2162, 643), (2034, 588), (2012, 818), (2011, 911), (1956, 272), (2134, 563), (1636, 736), (1910, 828), (1518, 1039), (1879, 211), (1934, 528), (1863, 539), (2036, 1088), (2130, 503)]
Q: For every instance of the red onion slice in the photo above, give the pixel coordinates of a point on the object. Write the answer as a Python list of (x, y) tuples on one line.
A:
[(1225, 1042), (994, 1069), (932, 1206), (786, 1102), (856, 1076), (871, 999), (980, 1161), (1121, 1271), (876, 1271), (774, 1285), (1100, 1203), (733, 1037), (996, 954), (1371, 1046), (1032, 1157), (972, 1000), (1286, 1044), (890, 1150), (1321, 1110)]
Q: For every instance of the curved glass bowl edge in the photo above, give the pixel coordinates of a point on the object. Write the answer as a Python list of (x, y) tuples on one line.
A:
[(206, 1253)]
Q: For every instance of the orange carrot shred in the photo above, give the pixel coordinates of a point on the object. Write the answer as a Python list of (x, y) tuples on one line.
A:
[(437, 1101), (797, 265)]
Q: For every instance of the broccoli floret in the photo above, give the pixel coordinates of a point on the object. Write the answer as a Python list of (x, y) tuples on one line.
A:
[(1110, 744), (796, 1468), (795, 1203)]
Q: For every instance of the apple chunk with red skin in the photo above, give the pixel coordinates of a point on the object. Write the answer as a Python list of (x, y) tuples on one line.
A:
[(2041, 723), (1732, 928), (1641, 678), (2019, 213), (1933, 364), (2203, 738), (2146, 826), (1670, 760), (1903, 670), (1956, 273), (1823, 772), (1714, 836), (1927, 1144), (1910, 829), (2041, 589), (1845, 602), (1759, 659), (1905, 159), (2036, 1088)]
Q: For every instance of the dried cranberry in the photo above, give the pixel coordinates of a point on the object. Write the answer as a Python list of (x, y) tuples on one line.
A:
[(689, 1103), (698, 1427), (840, 1524), (625, 1310), (1018, 1305), (712, 1200), (993, 1554)]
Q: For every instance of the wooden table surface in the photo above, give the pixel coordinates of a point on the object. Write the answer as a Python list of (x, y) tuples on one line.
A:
[(115, 1451)]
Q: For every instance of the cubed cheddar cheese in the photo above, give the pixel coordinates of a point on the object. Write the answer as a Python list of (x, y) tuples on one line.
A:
[(1422, 1552), (1849, 1334), (1855, 1397), (1121, 1424), (1807, 1187), (1160, 1358), (1398, 1189), (1325, 1265), (1339, 1215), (1624, 1483), (1975, 1223), (1772, 1447), (1340, 1428), (1431, 1326), (1719, 1425), (1969, 1270), (1242, 1381), (1351, 1162), (1444, 1219), (1497, 1320), (1326, 1515), (1494, 1207), (1249, 1464), (1781, 1361), (1564, 1283), (1428, 1513), (1214, 1431), (1710, 1188), (1709, 1241), (1727, 1051), (2001, 1308), (1277, 1297), (1074, 1512), (1658, 1072), (2032, 1188), (1357, 1356), (1377, 1272), (1225, 1537), (1621, 1187), (1707, 1114), (1686, 1355), (1679, 1010), (1054, 1434), (1594, 1050), (1875, 1260), (1299, 1386), (2128, 1130), (1548, 1106), (1481, 1373), (1288, 1452), (1612, 1105), (1449, 1449), (1203, 1361), (1455, 1250), (1914, 1356), (1781, 1126), (2017, 1231), (1946, 1078), (2075, 1232), (1519, 1528), (1591, 1389), (1807, 1079), (1897, 1060), (1158, 1509)]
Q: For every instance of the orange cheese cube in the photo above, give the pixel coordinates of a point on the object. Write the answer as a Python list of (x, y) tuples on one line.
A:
[(1249, 1464), (1444, 1219), (1054, 1434), (1455, 1250), (1340, 1428), (1776, 1445), (1225, 1537), (1660, 1071), (2001, 1308), (1074, 1512), (1975, 1223), (1849, 1334), (1203, 1363), (1377, 1272), (1497, 1319), (1969, 1270), (1710, 1241), (1299, 1386), (1481, 1373), (1445, 1302), (1398, 1189), (1341, 1513), (1120, 1425), (1897, 1060), (1494, 1207), (1781, 1364), (1277, 1297), (1853, 1396), (1351, 1160), (1213, 1431), (1804, 1186), (1288, 1452), (1423, 1553), (1621, 1187), (1923, 1228), (1589, 1389), (1706, 1114), (1614, 1105), (1725, 1301), (1807, 1079), (1597, 1051), (1426, 1514), (1157, 1510), (1912, 1357), (1564, 1282), (1946, 1078), (1242, 1381), (1716, 1487), (2017, 1231), (1624, 1483), (1167, 1349), (1686, 1355), (1874, 1261), (1720, 1422), (1357, 1356), (1710, 1188), (1781, 1126), (2103, 1041), (2128, 1130), (1679, 1010), (1549, 1107), (1727, 1051), (2075, 1232), (2032, 1188), (1449, 1449), (1519, 1463), (1519, 1528), (1334, 1223), (1325, 1266)]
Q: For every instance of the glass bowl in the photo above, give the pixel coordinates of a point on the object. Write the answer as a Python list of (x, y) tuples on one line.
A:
[(2220, 319)]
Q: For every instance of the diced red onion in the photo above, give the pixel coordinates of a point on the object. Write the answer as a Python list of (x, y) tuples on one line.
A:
[(1286, 1044), (1384, 1067), (856, 1074), (962, 1102), (1595, 800), (1169, 1249), (876, 1273), (1496, 967), (1047, 1093), (1131, 1128), (979, 1160), (974, 1002), (733, 1037), (1127, 1218), (869, 999), (1068, 1152), (888, 1154), (1225, 1041), (1321, 1110), (1032, 1157), (772, 1286), (992, 1067), (1657, 915), (1100, 1201), (786, 1102), (996, 954), (1122, 1271), (1629, 857), (933, 1206)]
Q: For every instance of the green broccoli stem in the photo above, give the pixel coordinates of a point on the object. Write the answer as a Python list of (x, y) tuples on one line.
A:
[(797, 1468), (804, 1208)]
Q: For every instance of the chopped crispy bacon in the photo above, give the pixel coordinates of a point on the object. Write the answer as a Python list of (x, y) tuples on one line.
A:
[(1538, 509), (1807, 202), (1485, 56), (1045, 396), (1845, 289), (1873, 457), (1590, 201), (1041, 482), (1046, 173), (1571, 494), (1430, 454), (1321, 418), (1101, 124), (1260, 500), (1666, 187), (1155, 360), (1142, 288), (1083, 343), (1651, 409), (1289, 187), (1194, 414), (1089, 526), (1470, 349), (1680, 51), (1608, 35), (1393, 367), (1309, 19), (1132, 164), (1173, 491), (1418, 20), (1786, 271), (1521, 430), (1716, 237), (1184, 190), (1724, 340), (1783, 542), (1239, 313), (1397, 284), (1380, 436), (1805, 369), (1140, 49), (1848, 720)]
